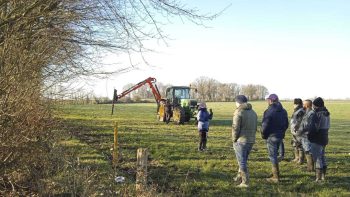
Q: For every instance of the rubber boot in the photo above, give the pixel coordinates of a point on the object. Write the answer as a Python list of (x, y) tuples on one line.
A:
[(200, 146), (238, 178), (296, 155), (204, 147), (244, 183), (275, 174), (301, 157), (318, 175), (310, 162), (324, 170)]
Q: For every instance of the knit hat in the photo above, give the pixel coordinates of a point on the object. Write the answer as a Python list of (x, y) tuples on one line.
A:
[(202, 105), (318, 102), (298, 101), (241, 99), (273, 97)]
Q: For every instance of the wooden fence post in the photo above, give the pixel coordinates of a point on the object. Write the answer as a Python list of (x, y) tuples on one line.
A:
[(141, 174), (115, 145)]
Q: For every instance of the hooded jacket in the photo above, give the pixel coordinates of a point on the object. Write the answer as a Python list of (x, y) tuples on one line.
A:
[(275, 121), (203, 118), (244, 124), (306, 124), (320, 125)]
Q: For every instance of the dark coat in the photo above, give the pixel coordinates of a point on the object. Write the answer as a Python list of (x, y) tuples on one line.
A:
[(319, 127), (275, 121)]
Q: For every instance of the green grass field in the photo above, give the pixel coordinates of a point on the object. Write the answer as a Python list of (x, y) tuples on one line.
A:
[(178, 169)]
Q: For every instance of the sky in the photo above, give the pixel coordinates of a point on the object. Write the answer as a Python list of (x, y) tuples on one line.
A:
[(295, 48)]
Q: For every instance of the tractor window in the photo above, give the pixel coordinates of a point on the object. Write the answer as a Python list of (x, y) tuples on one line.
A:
[(182, 93)]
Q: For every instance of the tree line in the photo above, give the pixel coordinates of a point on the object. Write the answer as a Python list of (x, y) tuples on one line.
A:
[(208, 89)]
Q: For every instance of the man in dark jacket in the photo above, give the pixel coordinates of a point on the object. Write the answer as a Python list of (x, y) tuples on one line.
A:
[(318, 137), (274, 126)]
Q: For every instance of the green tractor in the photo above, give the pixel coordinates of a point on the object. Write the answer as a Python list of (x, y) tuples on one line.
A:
[(177, 105)]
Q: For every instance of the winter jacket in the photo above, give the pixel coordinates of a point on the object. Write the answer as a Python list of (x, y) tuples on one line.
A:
[(306, 123), (296, 119), (203, 118), (244, 124), (321, 123), (275, 121)]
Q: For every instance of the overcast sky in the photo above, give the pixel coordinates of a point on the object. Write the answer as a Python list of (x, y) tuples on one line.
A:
[(295, 48)]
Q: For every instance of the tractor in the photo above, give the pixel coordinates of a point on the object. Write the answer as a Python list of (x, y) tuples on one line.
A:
[(177, 103)]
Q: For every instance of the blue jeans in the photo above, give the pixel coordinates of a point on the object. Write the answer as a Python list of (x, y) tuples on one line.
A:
[(318, 155), (242, 151), (306, 144), (272, 147), (281, 149)]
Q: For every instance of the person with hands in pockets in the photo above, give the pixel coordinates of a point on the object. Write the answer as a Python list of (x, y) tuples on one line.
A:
[(244, 126)]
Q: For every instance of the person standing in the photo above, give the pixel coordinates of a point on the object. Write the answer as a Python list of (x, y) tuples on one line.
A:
[(303, 132), (318, 137), (295, 122), (244, 126), (274, 126), (203, 118)]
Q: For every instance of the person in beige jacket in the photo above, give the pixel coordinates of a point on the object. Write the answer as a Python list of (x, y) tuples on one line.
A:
[(244, 126)]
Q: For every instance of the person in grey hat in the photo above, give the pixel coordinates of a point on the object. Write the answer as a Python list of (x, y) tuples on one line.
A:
[(244, 126), (274, 126)]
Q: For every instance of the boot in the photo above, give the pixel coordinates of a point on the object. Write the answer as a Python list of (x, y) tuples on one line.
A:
[(324, 170), (238, 177), (275, 174), (301, 157), (204, 146), (318, 175), (200, 147), (296, 155), (244, 182), (310, 162)]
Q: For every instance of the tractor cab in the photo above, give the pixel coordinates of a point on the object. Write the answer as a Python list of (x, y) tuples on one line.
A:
[(177, 93), (179, 96)]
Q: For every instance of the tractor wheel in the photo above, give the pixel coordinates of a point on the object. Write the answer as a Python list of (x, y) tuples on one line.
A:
[(179, 115)]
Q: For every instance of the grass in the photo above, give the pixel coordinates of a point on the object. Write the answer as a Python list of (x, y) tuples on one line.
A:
[(178, 169)]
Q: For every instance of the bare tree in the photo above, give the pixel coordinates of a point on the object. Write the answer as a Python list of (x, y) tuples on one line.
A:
[(48, 42), (261, 92)]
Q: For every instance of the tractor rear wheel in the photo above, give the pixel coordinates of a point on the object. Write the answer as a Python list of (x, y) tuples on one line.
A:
[(179, 115)]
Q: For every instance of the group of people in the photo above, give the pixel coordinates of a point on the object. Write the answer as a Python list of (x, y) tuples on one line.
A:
[(309, 127)]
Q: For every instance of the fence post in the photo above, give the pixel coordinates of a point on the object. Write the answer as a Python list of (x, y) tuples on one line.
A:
[(141, 174), (115, 145)]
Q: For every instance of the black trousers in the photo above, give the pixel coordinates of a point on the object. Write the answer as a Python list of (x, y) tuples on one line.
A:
[(203, 140)]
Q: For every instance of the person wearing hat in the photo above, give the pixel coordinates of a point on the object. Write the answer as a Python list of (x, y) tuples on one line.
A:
[(274, 126), (295, 122), (318, 137), (203, 117), (304, 130), (244, 126)]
